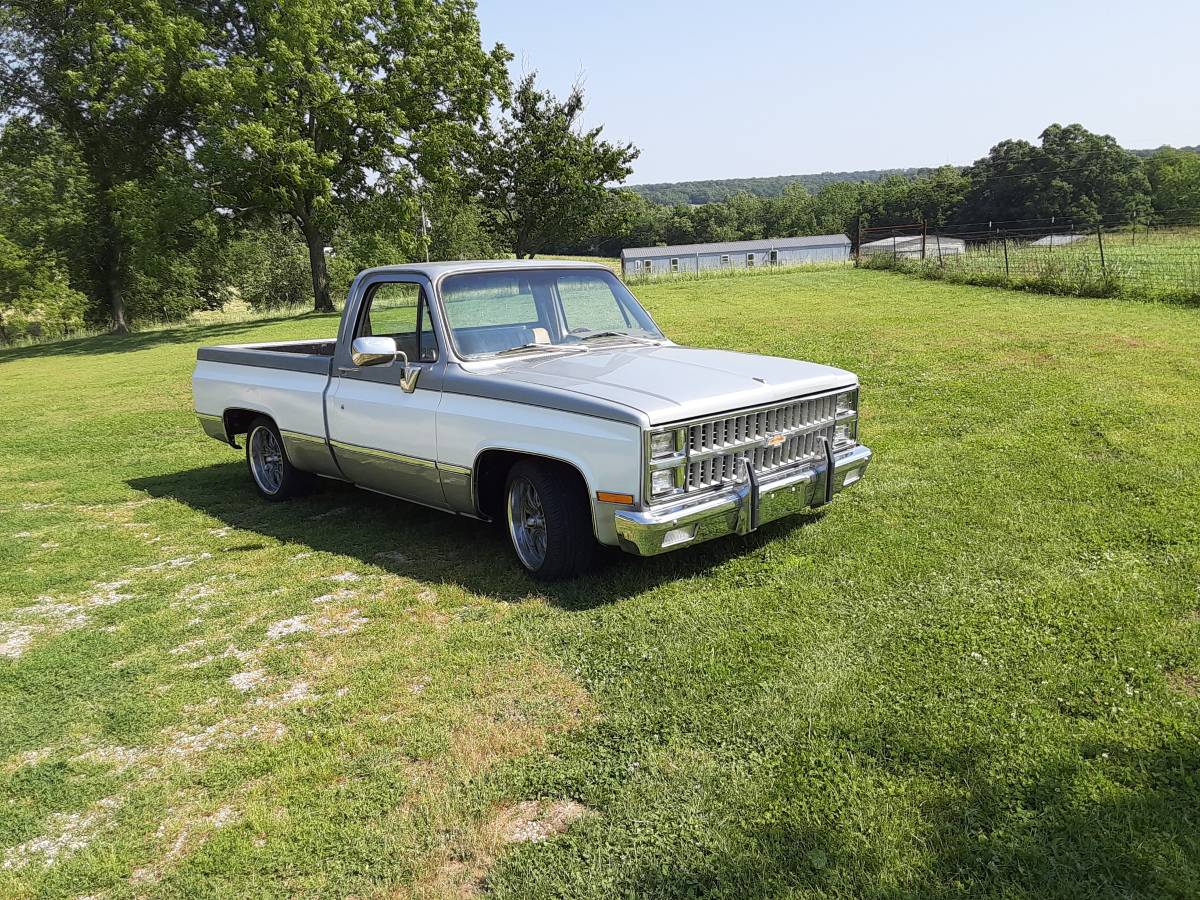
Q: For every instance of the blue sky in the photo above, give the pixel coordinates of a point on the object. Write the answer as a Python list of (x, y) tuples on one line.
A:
[(727, 90)]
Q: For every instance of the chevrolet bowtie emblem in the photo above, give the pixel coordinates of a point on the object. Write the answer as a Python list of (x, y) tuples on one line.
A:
[(775, 440)]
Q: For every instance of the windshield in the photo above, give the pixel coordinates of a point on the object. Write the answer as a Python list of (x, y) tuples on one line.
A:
[(532, 310)]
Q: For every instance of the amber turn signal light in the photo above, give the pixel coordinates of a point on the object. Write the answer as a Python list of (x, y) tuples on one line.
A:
[(609, 497)]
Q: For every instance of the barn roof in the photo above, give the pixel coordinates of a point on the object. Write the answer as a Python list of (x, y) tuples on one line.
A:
[(904, 240), (1059, 240), (820, 240)]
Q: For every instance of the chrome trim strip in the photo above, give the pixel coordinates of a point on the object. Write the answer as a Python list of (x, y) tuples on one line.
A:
[(210, 417), (301, 436), (397, 457), (384, 454)]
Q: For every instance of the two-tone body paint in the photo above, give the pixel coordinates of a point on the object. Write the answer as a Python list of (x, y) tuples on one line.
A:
[(590, 411)]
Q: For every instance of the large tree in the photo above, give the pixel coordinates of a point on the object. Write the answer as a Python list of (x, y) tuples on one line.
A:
[(1074, 176), (106, 77), (1175, 184), (541, 176), (314, 103)]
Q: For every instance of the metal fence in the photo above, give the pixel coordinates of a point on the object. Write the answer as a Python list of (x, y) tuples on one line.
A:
[(1152, 256)]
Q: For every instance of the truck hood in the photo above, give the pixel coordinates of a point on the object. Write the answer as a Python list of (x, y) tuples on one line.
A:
[(669, 383)]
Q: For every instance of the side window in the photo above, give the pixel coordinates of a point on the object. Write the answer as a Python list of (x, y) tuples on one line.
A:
[(391, 311)]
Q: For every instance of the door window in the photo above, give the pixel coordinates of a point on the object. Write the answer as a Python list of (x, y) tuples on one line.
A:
[(394, 309)]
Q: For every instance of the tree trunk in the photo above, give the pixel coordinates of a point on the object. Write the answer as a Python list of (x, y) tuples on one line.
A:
[(116, 299), (322, 302), (109, 253)]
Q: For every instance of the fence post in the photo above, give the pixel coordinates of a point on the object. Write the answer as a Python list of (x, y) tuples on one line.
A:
[(1100, 238), (1004, 240), (858, 246), (894, 256), (938, 238), (924, 230)]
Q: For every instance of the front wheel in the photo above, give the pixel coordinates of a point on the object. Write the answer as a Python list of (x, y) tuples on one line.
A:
[(274, 476), (549, 520)]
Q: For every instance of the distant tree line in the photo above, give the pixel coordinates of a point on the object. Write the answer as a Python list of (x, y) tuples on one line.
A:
[(694, 193), (1070, 178)]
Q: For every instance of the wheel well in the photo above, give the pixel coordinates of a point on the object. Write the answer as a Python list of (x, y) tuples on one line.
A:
[(491, 472), (237, 421)]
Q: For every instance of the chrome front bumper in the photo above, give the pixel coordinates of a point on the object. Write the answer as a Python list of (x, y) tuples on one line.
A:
[(741, 508)]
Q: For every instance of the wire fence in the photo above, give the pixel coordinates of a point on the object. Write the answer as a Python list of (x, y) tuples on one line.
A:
[(1153, 257)]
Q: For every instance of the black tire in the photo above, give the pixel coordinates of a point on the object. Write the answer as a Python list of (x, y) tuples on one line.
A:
[(569, 544), (278, 479)]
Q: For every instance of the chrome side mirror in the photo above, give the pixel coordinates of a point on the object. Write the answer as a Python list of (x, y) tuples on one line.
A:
[(374, 351), (381, 351)]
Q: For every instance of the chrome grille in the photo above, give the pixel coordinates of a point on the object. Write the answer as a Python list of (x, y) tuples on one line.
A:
[(714, 447)]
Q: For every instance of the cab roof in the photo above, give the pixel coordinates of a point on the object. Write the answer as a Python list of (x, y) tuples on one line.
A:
[(435, 270)]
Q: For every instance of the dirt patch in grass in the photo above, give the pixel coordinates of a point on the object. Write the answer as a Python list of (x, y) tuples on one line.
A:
[(1186, 683), (535, 821), (529, 821), (502, 729), (66, 834)]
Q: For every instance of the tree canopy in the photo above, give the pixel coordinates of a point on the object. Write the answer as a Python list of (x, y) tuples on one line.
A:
[(315, 105), (542, 178)]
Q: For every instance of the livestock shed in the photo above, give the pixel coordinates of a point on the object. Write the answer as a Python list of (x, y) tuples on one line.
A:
[(735, 255), (908, 246), (1058, 240)]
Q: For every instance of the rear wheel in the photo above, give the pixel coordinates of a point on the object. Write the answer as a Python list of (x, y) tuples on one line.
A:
[(549, 520), (274, 476)]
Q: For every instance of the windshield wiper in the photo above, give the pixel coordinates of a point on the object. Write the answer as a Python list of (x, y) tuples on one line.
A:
[(524, 347), (590, 335)]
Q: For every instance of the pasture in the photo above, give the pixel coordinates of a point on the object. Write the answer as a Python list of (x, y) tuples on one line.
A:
[(975, 674), (1154, 264)]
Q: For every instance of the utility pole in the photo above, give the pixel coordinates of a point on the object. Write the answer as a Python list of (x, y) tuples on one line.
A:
[(425, 230)]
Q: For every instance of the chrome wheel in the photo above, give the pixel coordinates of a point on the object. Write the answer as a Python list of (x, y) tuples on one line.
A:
[(527, 523), (266, 459)]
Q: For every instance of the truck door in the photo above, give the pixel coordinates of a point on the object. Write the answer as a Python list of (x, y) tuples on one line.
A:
[(383, 435)]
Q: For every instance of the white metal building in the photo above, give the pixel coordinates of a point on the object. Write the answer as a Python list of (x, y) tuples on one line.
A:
[(908, 246), (1058, 240), (735, 255)]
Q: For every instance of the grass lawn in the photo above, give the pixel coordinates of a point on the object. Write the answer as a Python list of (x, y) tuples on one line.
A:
[(974, 674)]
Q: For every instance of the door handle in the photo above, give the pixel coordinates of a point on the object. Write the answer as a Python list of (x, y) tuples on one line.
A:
[(347, 370)]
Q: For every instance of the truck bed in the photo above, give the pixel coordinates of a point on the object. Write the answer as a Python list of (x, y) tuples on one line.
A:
[(293, 356)]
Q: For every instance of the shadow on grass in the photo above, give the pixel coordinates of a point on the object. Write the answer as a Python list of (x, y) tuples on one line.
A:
[(428, 545), (1077, 825), (99, 344)]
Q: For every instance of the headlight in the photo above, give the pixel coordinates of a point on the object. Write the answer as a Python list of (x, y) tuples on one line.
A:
[(847, 401), (662, 444), (662, 482)]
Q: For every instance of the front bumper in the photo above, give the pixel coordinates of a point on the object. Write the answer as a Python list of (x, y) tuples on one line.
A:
[(741, 508)]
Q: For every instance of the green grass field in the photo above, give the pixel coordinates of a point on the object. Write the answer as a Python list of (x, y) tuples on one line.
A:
[(974, 674)]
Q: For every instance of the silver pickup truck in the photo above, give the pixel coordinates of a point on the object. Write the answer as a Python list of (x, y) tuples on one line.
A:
[(541, 395)]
